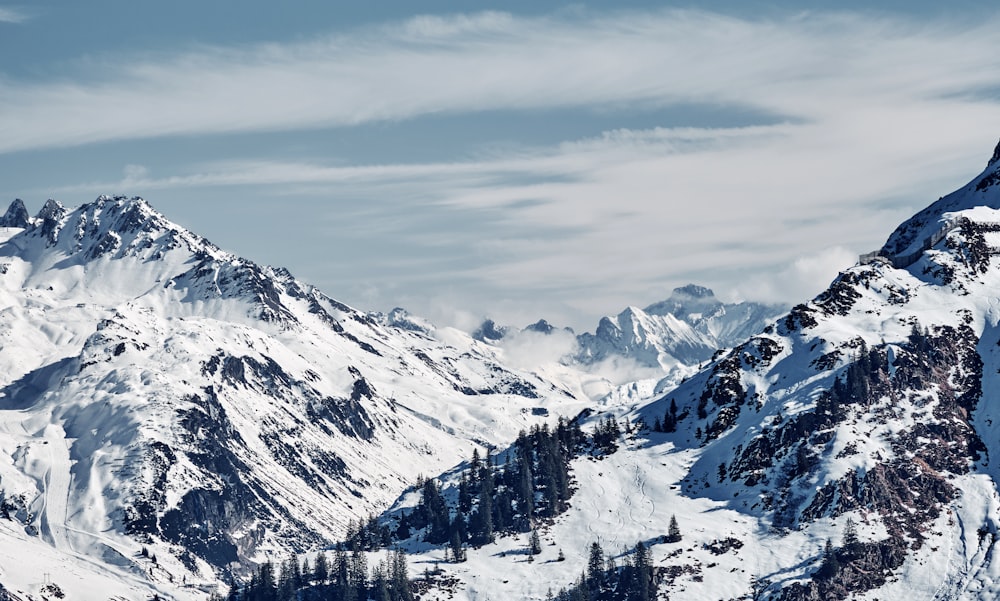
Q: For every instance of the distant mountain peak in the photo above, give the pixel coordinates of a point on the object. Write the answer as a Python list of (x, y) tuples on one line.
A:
[(694, 291), (52, 209), (16, 215), (685, 301), (686, 328), (400, 318), (490, 332), (541, 326)]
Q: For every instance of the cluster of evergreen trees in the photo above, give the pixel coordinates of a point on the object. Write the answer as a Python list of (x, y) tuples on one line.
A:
[(669, 421), (503, 494), (345, 578), (498, 494), (855, 387), (606, 435), (605, 580)]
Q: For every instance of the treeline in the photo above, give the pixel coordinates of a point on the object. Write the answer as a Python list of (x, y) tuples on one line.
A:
[(345, 577), (499, 494)]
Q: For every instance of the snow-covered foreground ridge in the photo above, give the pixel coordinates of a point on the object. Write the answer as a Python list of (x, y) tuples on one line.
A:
[(850, 450), (160, 394)]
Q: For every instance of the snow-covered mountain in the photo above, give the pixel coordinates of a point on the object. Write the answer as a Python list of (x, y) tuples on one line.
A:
[(849, 450), (682, 331), (685, 329), (159, 394)]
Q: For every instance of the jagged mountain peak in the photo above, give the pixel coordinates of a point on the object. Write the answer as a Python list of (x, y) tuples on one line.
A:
[(686, 328), (490, 332), (686, 301), (541, 326), (110, 225), (873, 403), (217, 407), (65, 248), (400, 318), (52, 209)]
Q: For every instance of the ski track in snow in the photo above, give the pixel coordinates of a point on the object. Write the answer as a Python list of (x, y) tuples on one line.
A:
[(56, 494), (595, 503), (640, 483)]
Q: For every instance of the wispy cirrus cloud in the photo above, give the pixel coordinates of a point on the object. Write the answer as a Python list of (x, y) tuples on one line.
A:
[(807, 68), (13, 15), (766, 211), (868, 119)]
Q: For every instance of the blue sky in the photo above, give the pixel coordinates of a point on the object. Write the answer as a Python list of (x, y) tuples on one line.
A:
[(535, 159)]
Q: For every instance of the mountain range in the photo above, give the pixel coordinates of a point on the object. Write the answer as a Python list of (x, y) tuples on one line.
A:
[(174, 417), (682, 331)]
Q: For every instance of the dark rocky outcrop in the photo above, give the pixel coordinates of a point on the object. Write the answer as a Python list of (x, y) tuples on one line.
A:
[(16, 215)]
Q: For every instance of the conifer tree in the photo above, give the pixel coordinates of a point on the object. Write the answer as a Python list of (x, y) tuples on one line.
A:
[(851, 541), (595, 566), (642, 585), (831, 565), (674, 531), (534, 544), (321, 569), (399, 580), (457, 552), (379, 583), (359, 573)]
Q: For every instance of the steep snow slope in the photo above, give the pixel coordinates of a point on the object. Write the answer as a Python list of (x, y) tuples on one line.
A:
[(160, 392)]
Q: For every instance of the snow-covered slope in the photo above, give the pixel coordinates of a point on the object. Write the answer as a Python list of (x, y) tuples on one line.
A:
[(850, 450), (156, 391)]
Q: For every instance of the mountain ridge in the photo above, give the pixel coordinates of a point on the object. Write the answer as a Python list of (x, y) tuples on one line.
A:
[(163, 393)]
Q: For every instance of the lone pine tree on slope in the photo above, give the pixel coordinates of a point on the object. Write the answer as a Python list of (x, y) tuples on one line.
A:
[(673, 531)]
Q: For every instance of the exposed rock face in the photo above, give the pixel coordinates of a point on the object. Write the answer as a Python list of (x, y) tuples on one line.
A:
[(16, 215), (490, 332), (541, 326)]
